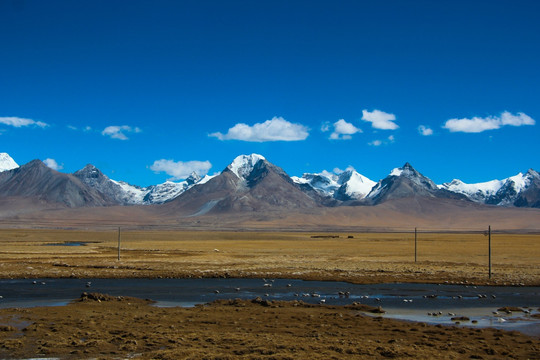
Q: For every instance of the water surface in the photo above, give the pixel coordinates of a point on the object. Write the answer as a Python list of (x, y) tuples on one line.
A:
[(401, 301)]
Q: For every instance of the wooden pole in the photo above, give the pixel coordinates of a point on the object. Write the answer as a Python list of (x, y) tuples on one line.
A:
[(119, 243), (489, 247), (415, 240)]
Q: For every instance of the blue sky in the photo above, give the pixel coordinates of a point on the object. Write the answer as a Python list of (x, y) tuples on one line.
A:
[(150, 90)]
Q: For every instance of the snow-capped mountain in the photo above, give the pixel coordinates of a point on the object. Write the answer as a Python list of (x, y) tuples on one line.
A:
[(127, 194), (479, 192), (7, 162), (516, 190), (158, 194), (407, 182), (347, 185), (250, 183)]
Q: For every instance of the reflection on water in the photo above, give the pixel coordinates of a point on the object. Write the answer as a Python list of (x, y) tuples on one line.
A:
[(435, 304)]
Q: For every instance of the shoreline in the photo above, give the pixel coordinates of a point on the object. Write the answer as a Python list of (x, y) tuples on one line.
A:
[(232, 329)]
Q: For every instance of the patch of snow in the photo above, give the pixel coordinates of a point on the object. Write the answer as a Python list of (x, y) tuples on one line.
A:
[(330, 184), (521, 182), (243, 165), (324, 182), (358, 186), (7, 162), (131, 194), (163, 192), (205, 179), (376, 189), (396, 172), (299, 180)]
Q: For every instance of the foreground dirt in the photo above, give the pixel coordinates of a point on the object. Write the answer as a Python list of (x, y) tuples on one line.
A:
[(106, 327)]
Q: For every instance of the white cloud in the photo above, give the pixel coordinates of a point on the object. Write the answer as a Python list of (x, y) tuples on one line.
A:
[(389, 140), (277, 129), (425, 131), (179, 169), (325, 126), (118, 132), (20, 122), (478, 124), (474, 125), (85, 129), (516, 120), (380, 119), (53, 164), (343, 130)]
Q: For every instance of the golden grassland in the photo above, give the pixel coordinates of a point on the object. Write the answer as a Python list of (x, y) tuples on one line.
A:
[(353, 257), (118, 328)]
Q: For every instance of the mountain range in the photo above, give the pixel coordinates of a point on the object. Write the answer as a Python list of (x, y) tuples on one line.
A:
[(251, 183)]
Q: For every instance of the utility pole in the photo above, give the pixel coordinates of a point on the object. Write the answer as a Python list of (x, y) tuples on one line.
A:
[(489, 246), (119, 243), (415, 240)]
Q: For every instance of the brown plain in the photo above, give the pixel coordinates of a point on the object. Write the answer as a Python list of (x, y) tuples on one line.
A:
[(352, 257), (131, 328)]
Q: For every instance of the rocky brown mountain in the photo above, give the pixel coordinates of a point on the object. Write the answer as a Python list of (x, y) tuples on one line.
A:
[(36, 180), (249, 183)]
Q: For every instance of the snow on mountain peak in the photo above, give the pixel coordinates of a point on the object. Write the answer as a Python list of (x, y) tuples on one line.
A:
[(342, 185), (520, 181), (243, 165), (405, 170), (7, 162), (478, 192), (357, 186), (396, 172)]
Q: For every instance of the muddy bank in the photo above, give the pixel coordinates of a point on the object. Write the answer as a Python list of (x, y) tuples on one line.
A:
[(100, 326)]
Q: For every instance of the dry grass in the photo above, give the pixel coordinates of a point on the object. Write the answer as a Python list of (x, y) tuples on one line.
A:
[(239, 329), (366, 257)]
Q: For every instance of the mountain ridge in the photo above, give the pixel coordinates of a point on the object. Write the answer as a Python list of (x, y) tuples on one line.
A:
[(318, 189), (37, 180)]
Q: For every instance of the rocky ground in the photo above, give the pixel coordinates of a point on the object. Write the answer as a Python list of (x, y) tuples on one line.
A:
[(104, 327)]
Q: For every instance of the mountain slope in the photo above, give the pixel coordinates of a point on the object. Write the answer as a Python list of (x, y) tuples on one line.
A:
[(530, 196), (127, 194), (36, 180), (406, 182), (249, 183), (519, 190)]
